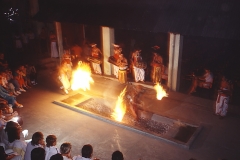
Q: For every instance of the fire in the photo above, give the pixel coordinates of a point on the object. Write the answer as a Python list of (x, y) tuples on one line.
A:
[(160, 91), (81, 77), (120, 108)]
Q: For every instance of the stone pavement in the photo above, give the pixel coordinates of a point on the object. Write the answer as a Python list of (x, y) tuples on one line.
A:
[(218, 139)]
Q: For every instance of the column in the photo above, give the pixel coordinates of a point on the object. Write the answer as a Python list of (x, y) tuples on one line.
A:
[(107, 48), (175, 57), (59, 40)]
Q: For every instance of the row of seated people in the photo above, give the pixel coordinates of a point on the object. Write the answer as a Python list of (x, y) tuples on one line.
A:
[(15, 147), (14, 82)]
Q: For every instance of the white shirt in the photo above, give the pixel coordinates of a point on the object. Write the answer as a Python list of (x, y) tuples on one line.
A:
[(80, 158), (66, 158), (50, 151), (208, 77), (29, 149)]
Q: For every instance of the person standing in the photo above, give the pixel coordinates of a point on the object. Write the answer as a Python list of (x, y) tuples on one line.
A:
[(18, 42), (223, 97), (76, 52), (53, 40), (157, 63), (32, 43), (122, 65), (43, 40), (117, 52), (138, 66), (97, 59)]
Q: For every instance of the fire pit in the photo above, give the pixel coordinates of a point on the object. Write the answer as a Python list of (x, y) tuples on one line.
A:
[(151, 124)]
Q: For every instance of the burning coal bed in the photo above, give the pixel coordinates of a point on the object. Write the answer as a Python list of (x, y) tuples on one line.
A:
[(142, 124)]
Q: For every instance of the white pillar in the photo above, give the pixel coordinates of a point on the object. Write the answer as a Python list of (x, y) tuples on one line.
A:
[(175, 57), (107, 48), (59, 39)]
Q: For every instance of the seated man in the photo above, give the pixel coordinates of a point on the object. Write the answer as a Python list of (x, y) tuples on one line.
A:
[(204, 81)]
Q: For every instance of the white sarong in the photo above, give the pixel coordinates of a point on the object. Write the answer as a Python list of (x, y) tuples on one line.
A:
[(222, 105), (96, 68), (54, 51), (139, 74), (115, 70)]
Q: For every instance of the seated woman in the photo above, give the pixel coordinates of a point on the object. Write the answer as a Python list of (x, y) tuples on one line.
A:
[(15, 142), (204, 81)]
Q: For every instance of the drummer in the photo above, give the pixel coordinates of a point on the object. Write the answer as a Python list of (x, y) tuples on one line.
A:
[(123, 65), (97, 54), (138, 71), (117, 52)]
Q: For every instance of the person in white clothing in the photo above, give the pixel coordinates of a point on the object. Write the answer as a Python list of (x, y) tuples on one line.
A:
[(15, 143), (37, 141), (97, 55), (38, 154), (224, 94), (87, 151), (138, 66), (51, 148), (117, 155), (65, 150), (204, 81), (57, 156), (53, 40)]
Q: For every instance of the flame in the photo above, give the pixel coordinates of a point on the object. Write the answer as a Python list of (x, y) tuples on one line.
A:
[(81, 77), (160, 91), (120, 108)]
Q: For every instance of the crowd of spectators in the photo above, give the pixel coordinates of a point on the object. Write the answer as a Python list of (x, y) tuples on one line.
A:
[(15, 81), (13, 146)]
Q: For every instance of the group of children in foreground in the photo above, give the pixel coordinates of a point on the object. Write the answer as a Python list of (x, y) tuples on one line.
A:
[(13, 146)]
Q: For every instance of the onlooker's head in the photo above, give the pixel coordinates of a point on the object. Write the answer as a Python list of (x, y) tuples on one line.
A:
[(87, 151), (51, 140), (10, 124), (37, 138), (65, 148), (38, 154), (14, 133), (57, 156), (117, 155)]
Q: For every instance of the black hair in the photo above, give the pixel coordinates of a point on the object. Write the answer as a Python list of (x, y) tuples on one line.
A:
[(87, 151), (117, 155), (57, 156), (38, 153)]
